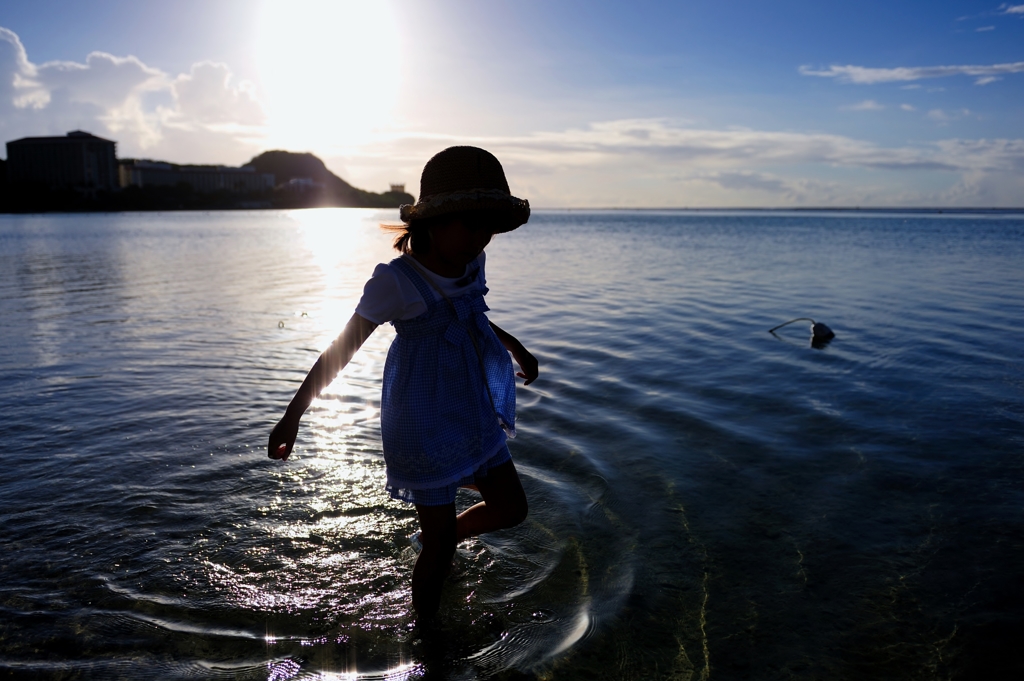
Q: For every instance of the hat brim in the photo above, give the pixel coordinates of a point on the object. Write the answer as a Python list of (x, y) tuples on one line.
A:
[(515, 212)]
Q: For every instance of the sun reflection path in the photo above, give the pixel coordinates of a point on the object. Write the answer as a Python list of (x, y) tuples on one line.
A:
[(330, 551), (344, 245), (283, 670)]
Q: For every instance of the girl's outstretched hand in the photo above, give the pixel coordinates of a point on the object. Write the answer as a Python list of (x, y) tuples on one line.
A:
[(528, 363), (282, 438), (330, 363)]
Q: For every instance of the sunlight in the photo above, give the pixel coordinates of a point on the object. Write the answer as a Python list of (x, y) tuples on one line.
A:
[(345, 244), (330, 72)]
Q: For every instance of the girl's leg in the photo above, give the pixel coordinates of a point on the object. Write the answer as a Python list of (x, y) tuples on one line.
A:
[(437, 535), (504, 503)]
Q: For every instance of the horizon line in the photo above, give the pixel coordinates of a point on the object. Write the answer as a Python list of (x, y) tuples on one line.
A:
[(915, 209)]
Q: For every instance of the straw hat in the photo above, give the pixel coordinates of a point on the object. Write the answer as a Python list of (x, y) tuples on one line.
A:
[(463, 179)]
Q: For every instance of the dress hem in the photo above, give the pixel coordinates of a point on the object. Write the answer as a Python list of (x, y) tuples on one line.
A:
[(464, 472)]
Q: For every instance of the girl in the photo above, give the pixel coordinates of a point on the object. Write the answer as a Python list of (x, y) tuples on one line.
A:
[(448, 398)]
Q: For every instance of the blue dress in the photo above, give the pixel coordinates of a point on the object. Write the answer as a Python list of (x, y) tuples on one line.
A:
[(438, 423)]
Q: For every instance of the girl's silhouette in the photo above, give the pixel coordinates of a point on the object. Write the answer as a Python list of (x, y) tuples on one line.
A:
[(448, 398)]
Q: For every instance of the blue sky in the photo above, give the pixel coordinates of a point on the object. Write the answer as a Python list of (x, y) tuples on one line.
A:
[(587, 103)]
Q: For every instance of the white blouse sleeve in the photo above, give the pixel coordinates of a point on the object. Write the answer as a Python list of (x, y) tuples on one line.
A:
[(382, 299)]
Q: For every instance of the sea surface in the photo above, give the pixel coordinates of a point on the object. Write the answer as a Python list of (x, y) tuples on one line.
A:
[(708, 500)]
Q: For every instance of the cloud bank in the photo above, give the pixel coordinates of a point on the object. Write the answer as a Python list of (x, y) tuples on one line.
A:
[(862, 75), (661, 162), (201, 116)]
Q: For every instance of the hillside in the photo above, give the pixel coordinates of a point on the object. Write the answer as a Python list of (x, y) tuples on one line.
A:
[(326, 189), (287, 165)]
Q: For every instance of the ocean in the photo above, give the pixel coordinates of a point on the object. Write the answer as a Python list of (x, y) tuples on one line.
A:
[(707, 499)]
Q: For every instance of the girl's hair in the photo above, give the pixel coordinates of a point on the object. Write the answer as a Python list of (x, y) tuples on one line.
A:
[(414, 236)]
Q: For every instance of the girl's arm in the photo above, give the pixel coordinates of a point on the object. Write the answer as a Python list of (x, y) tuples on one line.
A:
[(526, 361), (331, 362)]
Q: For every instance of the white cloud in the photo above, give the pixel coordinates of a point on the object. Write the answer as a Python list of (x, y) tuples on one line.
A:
[(104, 94), (1012, 9), (749, 180), (862, 75), (104, 81), (866, 105), (758, 182), (734, 147), (907, 107), (144, 109), (754, 188), (943, 117), (207, 94), (660, 162), (986, 80), (982, 29), (17, 73)]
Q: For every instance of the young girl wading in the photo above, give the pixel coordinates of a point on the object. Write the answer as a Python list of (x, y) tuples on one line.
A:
[(448, 398)]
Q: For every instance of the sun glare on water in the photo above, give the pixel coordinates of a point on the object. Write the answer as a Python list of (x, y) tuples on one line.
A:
[(329, 70)]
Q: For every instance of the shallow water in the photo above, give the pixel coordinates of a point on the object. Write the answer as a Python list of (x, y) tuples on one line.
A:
[(707, 500)]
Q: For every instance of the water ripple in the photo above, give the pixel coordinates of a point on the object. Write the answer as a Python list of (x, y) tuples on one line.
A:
[(706, 498)]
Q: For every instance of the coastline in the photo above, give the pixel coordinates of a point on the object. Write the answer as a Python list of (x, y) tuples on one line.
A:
[(207, 203), (873, 210)]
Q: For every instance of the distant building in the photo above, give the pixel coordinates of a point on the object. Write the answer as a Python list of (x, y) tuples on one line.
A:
[(80, 161), (202, 179), (398, 188), (301, 185)]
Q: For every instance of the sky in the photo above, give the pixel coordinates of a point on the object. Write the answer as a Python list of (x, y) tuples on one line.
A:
[(587, 103)]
